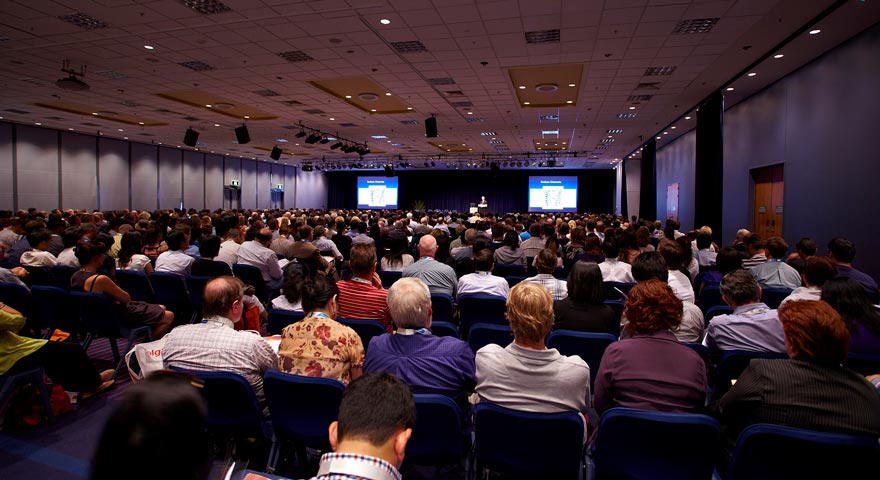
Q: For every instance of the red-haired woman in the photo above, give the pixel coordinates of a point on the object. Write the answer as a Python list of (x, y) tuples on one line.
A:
[(651, 370)]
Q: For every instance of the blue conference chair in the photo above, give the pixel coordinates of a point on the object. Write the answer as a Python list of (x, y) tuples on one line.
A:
[(366, 329), (437, 437), (770, 452), (52, 309), (252, 276), (773, 297), (100, 318), (302, 409), (388, 277), (195, 285), (528, 445), (617, 290), (482, 334), (278, 319), (731, 365), (714, 311), (710, 296), (589, 346), (508, 270), (864, 363), (442, 308), (16, 296), (136, 284), (170, 290), (62, 275), (444, 329), (674, 446), (481, 308), (9, 382)]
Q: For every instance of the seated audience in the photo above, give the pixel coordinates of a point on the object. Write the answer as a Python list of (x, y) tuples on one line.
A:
[(70, 238), (545, 264), (816, 271), (38, 256), (509, 252), (753, 326), (673, 254), (229, 247), (775, 273), (575, 247), (322, 242), (862, 319), (130, 257), (810, 389), (525, 375), (842, 252), (584, 309), (532, 246), (153, 243), (214, 345), (362, 297), (174, 260), (482, 281), (439, 277), (256, 253), (755, 251), (705, 253), (290, 298), (727, 260), (805, 248), (651, 370), (206, 265), (318, 345), (369, 439), (426, 363), (614, 270), (91, 256), (396, 258), (160, 423)]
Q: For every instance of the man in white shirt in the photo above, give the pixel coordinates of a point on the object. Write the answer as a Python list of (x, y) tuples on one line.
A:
[(174, 260), (229, 247), (613, 270), (257, 253), (673, 254), (482, 281)]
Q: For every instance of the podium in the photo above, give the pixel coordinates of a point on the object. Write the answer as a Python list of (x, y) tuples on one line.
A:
[(483, 208)]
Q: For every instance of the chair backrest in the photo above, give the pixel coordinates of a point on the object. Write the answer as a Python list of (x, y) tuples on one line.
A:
[(617, 307), (366, 329), (278, 319), (589, 346), (51, 309), (437, 434), (509, 269), (136, 284), (773, 297), (62, 275), (514, 279), (233, 408), (16, 296), (195, 284), (442, 307), (613, 290), (444, 329), (731, 365), (709, 297), (679, 446), (701, 350), (302, 408), (714, 311), (864, 363), (97, 313), (528, 445), (772, 452), (170, 289), (481, 308), (40, 276), (252, 276), (388, 277), (482, 334)]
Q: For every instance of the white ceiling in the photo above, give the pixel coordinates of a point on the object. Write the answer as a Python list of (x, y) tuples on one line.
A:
[(615, 40)]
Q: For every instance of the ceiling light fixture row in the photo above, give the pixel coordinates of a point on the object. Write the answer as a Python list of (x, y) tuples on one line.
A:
[(463, 159), (313, 135)]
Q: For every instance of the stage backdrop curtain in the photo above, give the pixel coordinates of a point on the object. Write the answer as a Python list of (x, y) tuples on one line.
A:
[(648, 195), (709, 172)]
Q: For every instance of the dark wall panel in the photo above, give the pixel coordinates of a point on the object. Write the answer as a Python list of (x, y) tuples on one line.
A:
[(37, 175), (144, 177), (248, 183), (79, 174), (193, 180), (264, 184), (6, 172), (114, 174), (213, 181), (170, 180), (290, 186)]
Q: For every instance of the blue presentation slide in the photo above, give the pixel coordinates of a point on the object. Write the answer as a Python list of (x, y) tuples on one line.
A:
[(553, 194), (377, 192)]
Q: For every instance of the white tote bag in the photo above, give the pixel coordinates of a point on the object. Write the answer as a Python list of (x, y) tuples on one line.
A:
[(144, 359)]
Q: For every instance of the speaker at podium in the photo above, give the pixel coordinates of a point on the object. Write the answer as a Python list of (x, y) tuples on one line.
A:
[(483, 206)]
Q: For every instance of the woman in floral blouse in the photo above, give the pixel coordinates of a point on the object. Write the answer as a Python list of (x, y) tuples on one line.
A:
[(319, 346)]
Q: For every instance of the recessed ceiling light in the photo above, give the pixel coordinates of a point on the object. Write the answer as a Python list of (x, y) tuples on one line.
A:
[(126, 138), (216, 124), (752, 74), (94, 113), (70, 128), (569, 101), (247, 117), (348, 96), (610, 136), (385, 21), (814, 32), (687, 118), (149, 47), (372, 109), (526, 103), (121, 130), (658, 138), (409, 108), (729, 89), (522, 87), (208, 105), (387, 94), (332, 119), (632, 108), (778, 56), (37, 123), (470, 113), (570, 84)]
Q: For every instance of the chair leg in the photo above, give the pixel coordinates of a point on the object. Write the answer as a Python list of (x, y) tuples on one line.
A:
[(272, 463), (114, 348), (44, 394), (87, 342)]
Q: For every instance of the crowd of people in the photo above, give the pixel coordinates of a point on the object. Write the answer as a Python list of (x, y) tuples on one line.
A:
[(327, 264)]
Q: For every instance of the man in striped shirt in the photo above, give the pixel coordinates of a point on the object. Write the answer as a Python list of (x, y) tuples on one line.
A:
[(362, 297)]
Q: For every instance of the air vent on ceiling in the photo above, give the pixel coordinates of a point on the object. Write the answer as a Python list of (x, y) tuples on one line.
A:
[(488, 134), (290, 127), (548, 118), (348, 124), (147, 135), (267, 93), (15, 110), (111, 74), (412, 46), (454, 93), (4, 39), (615, 130), (462, 104), (659, 71), (409, 122), (54, 118), (639, 98), (441, 81), (291, 103), (90, 124), (294, 56), (502, 149), (626, 115), (648, 86), (542, 36), (314, 111), (83, 20), (197, 66), (191, 119), (496, 142), (607, 140), (695, 25), (601, 147), (206, 6), (165, 110), (129, 103), (474, 120), (36, 81)]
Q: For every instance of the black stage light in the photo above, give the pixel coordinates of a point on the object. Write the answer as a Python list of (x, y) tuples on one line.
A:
[(275, 154), (313, 138), (190, 138), (325, 140), (307, 168), (242, 135), (431, 127), (335, 145), (301, 134)]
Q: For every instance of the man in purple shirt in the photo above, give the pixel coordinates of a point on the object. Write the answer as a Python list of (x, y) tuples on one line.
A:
[(427, 363), (842, 252), (753, 326)]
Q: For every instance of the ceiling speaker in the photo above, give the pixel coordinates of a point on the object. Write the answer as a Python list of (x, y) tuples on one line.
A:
[(242, 135), (190, 138), (275, 154), (431, 127)]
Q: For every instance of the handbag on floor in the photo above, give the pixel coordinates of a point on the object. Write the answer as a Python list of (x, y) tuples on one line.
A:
[(144, 359)]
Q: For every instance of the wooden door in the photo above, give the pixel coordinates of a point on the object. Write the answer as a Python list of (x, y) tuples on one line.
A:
[(768, 207)]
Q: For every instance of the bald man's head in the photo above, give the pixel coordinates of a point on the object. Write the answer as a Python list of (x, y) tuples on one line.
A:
[(427, 246)]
